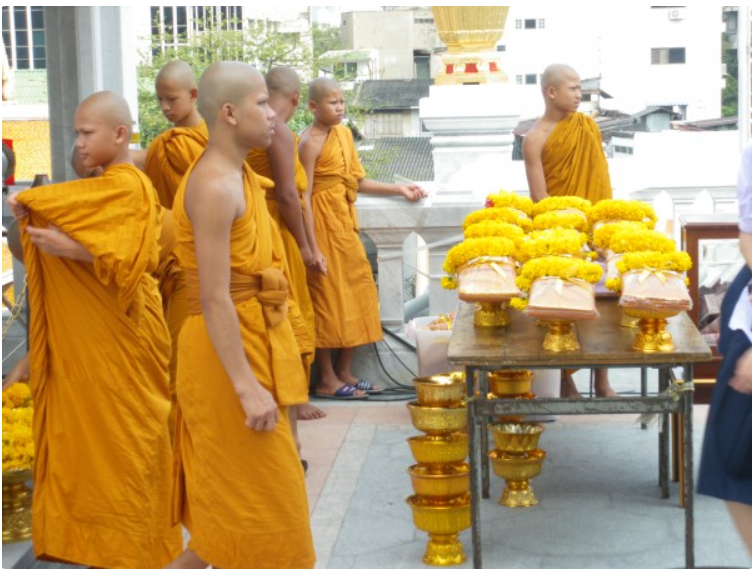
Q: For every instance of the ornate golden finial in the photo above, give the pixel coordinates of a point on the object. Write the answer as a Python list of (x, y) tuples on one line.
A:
[(471, 34)]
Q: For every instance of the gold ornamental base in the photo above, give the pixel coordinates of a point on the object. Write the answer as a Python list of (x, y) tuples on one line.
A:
[(518, 494), (651, 334), (561, 337), (16, 506), (517, 470), (492, 315), (444, 551), (628, 321)]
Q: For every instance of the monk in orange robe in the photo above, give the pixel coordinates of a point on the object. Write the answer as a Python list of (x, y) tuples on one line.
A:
[(564, 157), (99, 353), (239, 369), (280, 163), (346, 305), (166, 162)]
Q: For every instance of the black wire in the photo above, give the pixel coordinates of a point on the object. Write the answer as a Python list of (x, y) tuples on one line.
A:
[(410, 371)]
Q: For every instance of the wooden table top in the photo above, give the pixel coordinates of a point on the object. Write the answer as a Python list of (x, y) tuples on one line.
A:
[(604, 342)]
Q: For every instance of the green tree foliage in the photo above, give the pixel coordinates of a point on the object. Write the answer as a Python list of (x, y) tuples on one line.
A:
[(260, 44), (730, 91)]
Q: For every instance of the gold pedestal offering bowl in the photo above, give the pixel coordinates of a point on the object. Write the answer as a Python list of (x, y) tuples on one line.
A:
[(561, 337), (492, 314), (16, 505), (516, 438), (517, 470), (437, 453), (444, 390), (651, 334), (443, 523), (440, 487), (438, 421), (510, 383)]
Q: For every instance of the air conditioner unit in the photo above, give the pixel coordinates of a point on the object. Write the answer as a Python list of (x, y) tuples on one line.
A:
[(676, 14)]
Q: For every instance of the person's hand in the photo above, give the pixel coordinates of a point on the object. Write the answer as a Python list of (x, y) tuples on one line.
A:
[(318, 262), (19, 210), (54, 242), (412, 192), (20, 372), (741, 381), (260, 408)]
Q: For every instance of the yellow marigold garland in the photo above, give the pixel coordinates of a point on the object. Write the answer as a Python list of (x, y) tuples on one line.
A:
[(17, 395), (555, 241), (647, 240), (470, 249), (497, 214), (603, 235), (557, 203), (18, 444), (553, 219), (624, 210), (510, 199), (563, 267), (492, 228), (677, 261)]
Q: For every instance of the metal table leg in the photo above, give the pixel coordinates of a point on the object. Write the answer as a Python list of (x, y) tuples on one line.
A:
[(644, 389), (687, 465), (473, 458), (664, 438), (483, 434)]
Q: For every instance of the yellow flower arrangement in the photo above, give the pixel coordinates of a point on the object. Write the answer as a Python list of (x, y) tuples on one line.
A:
[(602, 235), (493, 228), (555, 241), (17, 395), (18, 444), (510, 199), (470, 249), (562, 267), (624, 210), (554, 219), (558, 203), (497, 214), (645, 240), (677, 261)]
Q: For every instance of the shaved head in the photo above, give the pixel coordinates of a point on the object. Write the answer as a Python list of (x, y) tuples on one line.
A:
[(283, 81), (321, 87), (108, 107), (226, 82), (556, 74), (178, 73)]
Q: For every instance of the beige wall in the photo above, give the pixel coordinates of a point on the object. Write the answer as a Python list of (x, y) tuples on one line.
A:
[(389, 32)]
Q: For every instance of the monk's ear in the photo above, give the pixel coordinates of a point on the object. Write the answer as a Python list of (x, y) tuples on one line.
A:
[(194, 94), (121, 134), (312, 106), (551, 92), (296, 99), (227, 111)]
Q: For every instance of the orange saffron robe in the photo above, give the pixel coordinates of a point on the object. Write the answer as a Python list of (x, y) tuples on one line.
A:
[(167, 160), (244, 500), (258, 159), (99, 376), (346, 305), (574, 161)]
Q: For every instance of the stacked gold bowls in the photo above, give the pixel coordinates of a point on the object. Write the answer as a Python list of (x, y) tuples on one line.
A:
[(441, 480)]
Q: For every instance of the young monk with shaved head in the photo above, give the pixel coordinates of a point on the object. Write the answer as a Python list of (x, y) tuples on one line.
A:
[(99, 353), (280, 163), (346, 306), (564, 157), (239, 367)]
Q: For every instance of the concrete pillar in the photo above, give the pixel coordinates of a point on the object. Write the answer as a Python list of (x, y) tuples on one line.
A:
[(87, 51)]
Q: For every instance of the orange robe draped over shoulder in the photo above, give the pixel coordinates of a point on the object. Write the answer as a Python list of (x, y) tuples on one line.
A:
[(244, 501), (346, 306), (99, 351), (259, 161), (167, 160), (574, 161)]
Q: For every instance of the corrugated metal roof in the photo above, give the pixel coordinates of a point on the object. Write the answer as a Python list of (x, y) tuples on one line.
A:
[(409, 157), (30, 86), (390, 93)]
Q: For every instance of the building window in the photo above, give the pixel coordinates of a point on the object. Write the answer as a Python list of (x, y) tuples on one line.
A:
[(541, 23), (423, 20), (351, 68), (501, 48), (623, 149), (519, 79), (667, 55), (172, 26), (585, 97), (530, 24), (24, 37), (531, 79)]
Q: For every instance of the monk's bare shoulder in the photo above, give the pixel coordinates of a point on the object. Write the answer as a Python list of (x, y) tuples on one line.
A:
[(535, 139), (209, 186), (310, 145)]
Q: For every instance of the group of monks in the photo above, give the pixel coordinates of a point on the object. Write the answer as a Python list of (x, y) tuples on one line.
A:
[(178, 297)]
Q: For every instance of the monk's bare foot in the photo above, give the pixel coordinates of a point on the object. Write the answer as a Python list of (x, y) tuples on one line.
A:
[(605, 391), (570, 390), (333, 388), (360, 384), (187, 560), (308, 412)]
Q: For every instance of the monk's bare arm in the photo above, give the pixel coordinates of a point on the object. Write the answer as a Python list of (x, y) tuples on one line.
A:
[(308, 153), (533, 146), (282, 159), (212, 207), (411, 192), (139, 159)]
